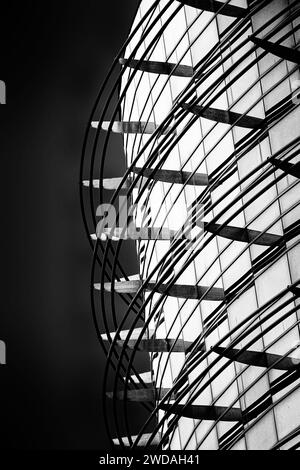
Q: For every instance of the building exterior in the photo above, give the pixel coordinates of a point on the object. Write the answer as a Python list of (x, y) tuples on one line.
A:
[(205, 95)]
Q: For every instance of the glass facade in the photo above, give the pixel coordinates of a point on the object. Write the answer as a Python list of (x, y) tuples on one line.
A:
[(208, 92)]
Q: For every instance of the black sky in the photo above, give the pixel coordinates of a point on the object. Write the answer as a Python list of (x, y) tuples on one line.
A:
[(54, 56)]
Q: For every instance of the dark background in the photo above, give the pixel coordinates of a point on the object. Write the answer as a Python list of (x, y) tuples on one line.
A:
[(54, 56)]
